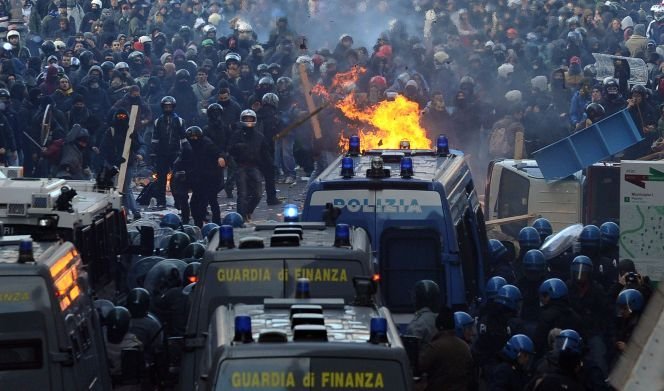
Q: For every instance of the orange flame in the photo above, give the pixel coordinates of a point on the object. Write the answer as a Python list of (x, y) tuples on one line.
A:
[(382, 125)]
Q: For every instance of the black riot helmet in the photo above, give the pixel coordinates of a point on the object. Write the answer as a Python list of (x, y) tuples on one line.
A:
[(426, 293), (47, 48), (284, 87), (168, 104), (214, 112), (193, 133), (190, 274), (639, 89), (595, 112), (138, 302), (182, 74), (176, 245), (194, 250), (117, 324)]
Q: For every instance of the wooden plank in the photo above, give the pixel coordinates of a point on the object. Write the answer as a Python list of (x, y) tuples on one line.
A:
[(133, 114), (511, 219), (518, 146), (311, 106)]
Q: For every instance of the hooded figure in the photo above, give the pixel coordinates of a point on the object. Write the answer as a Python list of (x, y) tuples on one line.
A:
[(50, 84), (75, 158)]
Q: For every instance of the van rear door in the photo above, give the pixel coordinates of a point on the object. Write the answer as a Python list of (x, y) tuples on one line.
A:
[(25, 312)]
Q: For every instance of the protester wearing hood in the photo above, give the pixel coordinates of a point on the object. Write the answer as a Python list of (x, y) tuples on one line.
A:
[(133, 98), (111, 148), (50, 83), (637, 43), (75, 158), (435, 117), (184, 93), (91, 16), (63, 94)]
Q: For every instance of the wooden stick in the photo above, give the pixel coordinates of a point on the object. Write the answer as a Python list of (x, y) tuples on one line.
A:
[(507, 220), (306, 87), (127, 147)]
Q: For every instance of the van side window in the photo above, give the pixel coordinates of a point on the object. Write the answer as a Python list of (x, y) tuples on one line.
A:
[(21, 354), (512, 200)]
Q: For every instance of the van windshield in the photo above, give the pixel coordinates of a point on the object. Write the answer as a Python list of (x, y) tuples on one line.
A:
[(310, 373)]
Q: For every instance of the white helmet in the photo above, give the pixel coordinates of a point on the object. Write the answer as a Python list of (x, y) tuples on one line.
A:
[(59, 45), (121, 65), (243, 27), (144, 39), (232, 57), (13, 33), (248, 118), (658, 12)]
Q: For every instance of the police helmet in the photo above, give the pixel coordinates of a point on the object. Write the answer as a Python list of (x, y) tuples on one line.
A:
[(529, 238), (233, 219), (4, 93), (554, 288), (193, 231), (207, 228), (168, 102), (248, 118), (462, 321), (595, 111), (543, 226), (426, 293), (569, 339), (534, 261), (581, 268), (138, 302), (171, 220), (270, 99), (193, 133), (497, 250), (509, 296), (194, 250), (630, 300), (609, 234), (212, 232), (215, 111), (176, 245), (589, 236), (519, 343), (117, 324), (493, 285), (190, 274), (232, 57)]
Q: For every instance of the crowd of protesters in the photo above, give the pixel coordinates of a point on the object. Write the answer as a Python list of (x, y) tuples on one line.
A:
[(481, 72)]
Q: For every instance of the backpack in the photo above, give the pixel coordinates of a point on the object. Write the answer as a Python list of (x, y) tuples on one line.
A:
[(498, 144)]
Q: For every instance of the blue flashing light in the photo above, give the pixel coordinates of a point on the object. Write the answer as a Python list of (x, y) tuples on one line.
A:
[(378, 330), (354, 145), (302, 288), (406, 167), (342, 235), (226, 236), (243, 329), (442, 145), (291, 213), (25, 246), (347, 167)]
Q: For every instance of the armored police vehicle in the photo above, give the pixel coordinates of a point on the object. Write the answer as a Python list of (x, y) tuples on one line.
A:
[(50, 334), (303, 344), (517, 187), (249, 265), (421, 211), (50, 209)]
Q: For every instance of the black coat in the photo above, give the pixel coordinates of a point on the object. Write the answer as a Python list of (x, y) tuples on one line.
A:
[(199, 160)]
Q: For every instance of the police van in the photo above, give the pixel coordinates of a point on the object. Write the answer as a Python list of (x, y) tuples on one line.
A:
[(50, 334), (517, 187), (50, 209), (303, 344), (421, 211), (250, 265)]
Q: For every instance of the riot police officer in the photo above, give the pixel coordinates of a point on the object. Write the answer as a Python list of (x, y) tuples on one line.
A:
[(554, 313), (511, 373), (629, 305), (167, 138), (529, 239), (250, 151), (500, 262), (609, 235), (543, 227), (118, 338), (143, 324), (535, 270), (177, 243), (426, 296)]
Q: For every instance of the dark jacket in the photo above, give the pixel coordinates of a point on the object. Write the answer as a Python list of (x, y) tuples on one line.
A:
[(167, 135), (447, 361), (248, 148), (75, 158), (556, 314), (591, 304), (199, 161), (113, 140)]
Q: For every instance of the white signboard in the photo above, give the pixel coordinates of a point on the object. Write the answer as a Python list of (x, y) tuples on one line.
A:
[(642, 216)]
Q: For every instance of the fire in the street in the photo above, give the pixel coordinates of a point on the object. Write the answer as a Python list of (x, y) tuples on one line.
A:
[(382, 125)]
